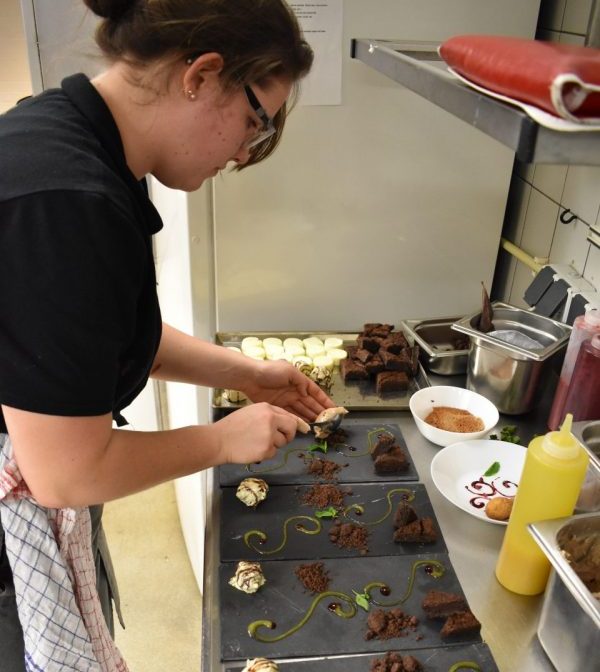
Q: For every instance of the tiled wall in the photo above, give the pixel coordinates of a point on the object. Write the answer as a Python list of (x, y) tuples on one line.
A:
[(540, 193)]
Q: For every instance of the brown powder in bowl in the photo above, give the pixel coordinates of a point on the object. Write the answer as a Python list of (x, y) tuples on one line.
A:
[(454, 420)]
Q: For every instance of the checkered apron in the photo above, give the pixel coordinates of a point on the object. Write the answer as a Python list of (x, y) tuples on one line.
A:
[(50, 554)]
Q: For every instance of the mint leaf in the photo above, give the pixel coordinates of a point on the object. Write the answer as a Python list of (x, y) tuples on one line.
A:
[(362, 599), (318, 445), (493, 469), (329, 512)]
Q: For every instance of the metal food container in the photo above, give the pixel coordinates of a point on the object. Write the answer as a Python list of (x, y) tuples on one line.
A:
[(588, 434), (569, 626), (437, 342), (512, 377)]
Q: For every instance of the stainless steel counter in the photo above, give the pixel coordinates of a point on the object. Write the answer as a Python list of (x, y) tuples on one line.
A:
[(509, 621)]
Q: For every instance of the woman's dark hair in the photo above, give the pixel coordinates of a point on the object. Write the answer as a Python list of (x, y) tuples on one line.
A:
[(258, 40)]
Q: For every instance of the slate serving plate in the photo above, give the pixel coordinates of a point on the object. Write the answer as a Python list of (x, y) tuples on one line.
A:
[(284, 601), (284, 502), (433, 660), (290, 463)]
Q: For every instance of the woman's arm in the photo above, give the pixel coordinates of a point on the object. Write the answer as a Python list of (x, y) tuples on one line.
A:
[(79, 461), (186, 359)]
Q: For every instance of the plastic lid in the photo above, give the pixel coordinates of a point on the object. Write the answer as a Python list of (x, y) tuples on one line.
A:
[(562, 444), (592, 316)]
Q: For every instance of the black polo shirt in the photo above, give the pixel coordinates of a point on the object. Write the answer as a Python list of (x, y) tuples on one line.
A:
[(79, 317)]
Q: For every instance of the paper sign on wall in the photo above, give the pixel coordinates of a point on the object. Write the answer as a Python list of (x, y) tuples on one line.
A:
[(322, 24)]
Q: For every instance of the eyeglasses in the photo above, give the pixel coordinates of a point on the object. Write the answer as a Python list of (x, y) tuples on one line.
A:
[(268, 125)]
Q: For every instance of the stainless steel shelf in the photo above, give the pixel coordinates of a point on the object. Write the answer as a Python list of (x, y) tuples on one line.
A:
[(412, 64)]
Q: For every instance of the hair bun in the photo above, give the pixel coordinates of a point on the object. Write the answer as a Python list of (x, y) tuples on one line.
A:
[(110, 9)]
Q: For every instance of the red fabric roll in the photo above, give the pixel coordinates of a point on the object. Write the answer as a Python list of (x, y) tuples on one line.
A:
[(559, 78)]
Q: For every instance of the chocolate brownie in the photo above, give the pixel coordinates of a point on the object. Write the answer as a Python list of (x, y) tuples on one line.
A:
[(420, 531), (392, 362), (370, 343), (363, 355), (353, 370), (391, 381), (385, 442), (351, 350), (461, 623), (393, 346), (392, 462), (404, 515), (415, 360), (377, 329), (374, 365), (439, 605)]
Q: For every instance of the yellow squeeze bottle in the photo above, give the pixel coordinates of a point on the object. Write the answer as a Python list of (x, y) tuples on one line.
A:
[(554, 470)]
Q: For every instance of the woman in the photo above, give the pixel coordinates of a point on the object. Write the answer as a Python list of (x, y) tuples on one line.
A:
[(192, 86)]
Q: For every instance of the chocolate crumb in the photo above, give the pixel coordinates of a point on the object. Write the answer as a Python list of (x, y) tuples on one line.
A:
[(313, 576), (395, 662), (349, 535), (388, 624), (325, 494), (325, 470)]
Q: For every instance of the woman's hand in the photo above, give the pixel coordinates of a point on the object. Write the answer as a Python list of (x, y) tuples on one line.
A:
[(254, 433), (281, 384)]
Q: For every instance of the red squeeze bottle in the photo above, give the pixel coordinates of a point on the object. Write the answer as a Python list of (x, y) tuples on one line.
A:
[(584, 327), (583, 397)]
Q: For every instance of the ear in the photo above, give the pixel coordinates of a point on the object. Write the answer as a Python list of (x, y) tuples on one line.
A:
[(202, 70)]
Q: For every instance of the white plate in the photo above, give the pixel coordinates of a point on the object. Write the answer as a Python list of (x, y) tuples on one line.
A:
[(457, 467)]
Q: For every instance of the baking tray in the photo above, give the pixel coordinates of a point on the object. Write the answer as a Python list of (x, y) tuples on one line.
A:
[(284, 503), (355, 395), (433, 660), (290, 466), (284, 601)]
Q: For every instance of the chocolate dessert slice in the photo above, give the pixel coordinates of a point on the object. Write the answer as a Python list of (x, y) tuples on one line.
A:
[(392, 462), (421, 531), (370, 343), (353, 370), (377, 329), (404, 515), (394, 362), (374, 365), (391, 381), (461, 623), (363, 355), (439, 605), (385, 443)]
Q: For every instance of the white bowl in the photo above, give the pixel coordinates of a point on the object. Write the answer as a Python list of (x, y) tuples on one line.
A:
[(422, 402)]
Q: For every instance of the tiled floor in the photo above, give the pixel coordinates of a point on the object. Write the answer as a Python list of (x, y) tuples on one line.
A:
[(160, 599)]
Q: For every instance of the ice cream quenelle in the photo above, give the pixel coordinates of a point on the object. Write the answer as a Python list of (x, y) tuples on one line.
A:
[(260, 665), (248, 577), (322, 429), (252, 491)]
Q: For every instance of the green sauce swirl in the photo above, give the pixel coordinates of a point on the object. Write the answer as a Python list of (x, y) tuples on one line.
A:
[(263, 537), (389, 494), (338, 611)]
